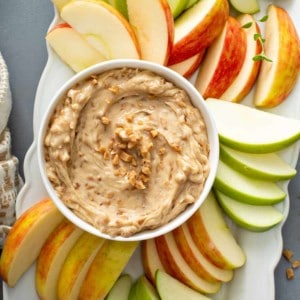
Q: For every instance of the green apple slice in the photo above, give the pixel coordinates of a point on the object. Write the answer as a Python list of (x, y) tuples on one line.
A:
[(267, 166), (170, 288), (251, 217), (121, 288), (177, 7), (143, 289), (191, 3), (247, 189), (119, 5), (245, 6), (252, 130)]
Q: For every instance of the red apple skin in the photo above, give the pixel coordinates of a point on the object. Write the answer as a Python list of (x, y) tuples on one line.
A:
[(60, 25), (201, 35), (230, 62)]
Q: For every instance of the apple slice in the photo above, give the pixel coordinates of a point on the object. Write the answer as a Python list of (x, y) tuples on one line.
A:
[(52, 256), (121, 288), (266, 166), (170, 288), (76, 266), (223, 61), (246, 7), (103, 27), (197, 28), (187, 67), (245, 79), (251, 130), (277, 78), (247, 189), (143, 289), (59, 4), (177, 7), (72, 48), (153, 23), (251, 217), (26, 238), (213, 237), (150, 259), (105, 269), (176, 266), (196, 260), (191, 3), (120, 5)]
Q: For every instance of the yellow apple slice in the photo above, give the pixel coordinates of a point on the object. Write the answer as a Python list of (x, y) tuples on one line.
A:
[(105, 269), (51, 258), (196, 260), (187, 67), (245, 79), (176, 265), (76, 265), (197, 27), (26, 238), (150, 259), (103, 27), (223, 61), (153, 24), (213, 237), (72, 48), (277, 78), (252, 130)]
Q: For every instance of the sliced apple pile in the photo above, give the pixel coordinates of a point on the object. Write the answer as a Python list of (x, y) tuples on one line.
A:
[(248, 175)]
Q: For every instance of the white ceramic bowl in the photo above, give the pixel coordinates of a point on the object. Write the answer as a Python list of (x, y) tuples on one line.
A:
[(197, 101)]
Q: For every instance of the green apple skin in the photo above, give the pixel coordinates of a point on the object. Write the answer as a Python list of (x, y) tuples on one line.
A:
[(177, 7), (246, 7), (266, 166), (121, 289), (251, 217)]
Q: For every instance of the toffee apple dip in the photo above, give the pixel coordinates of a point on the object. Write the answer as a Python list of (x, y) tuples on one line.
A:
[(126, 151)]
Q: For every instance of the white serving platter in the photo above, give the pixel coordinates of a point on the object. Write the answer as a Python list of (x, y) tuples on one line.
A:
[(263, 250)]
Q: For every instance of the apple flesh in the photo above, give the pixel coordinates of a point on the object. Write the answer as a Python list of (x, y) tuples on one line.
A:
[(105, 269), (212, 236), (223, 61), (169, 288), (103, 27), (143, 289), (176, 266), (251, 130), (26, 238), (247, 189), (277, 78), (72, 48), (150, 259), (51, 258), (187, 67), (121, 288), (76, 265), (153, 23), (266, 166), (196, 260), (251, 217), (197, 27), (246, 78)]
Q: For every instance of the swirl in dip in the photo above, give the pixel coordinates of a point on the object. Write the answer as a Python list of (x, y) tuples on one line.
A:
[(126, 151)]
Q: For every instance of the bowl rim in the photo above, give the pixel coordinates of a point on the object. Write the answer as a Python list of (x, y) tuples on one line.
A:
[(196, 99)]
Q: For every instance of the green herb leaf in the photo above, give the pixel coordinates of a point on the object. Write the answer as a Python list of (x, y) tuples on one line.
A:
[(261, 56), (247, 25), (264, 18)]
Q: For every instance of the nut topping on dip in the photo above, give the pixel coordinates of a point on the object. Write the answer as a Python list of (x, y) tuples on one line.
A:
[(127, 151)]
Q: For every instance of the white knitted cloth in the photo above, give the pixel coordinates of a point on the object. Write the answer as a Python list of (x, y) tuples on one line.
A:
[(10, 181)]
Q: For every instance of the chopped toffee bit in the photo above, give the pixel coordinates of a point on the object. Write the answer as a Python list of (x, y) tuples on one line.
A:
[(290, 273), (288, 254), (296, 264)]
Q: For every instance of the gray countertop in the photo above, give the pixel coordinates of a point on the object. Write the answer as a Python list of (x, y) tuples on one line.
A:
[(23, 25)]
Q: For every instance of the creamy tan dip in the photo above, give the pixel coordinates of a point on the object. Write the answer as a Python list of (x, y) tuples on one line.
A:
[(127, 151)]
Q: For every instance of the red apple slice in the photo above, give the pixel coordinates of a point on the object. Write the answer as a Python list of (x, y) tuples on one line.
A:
[(105, 269), (52, 257), (245, 80), (72, 48), (176, 266), (187, 67), (26, 238), (150, 259), (223, 61), (277, 78), (212, 236), (196, 260), (103, 27), (153, 24), (197, 28)]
